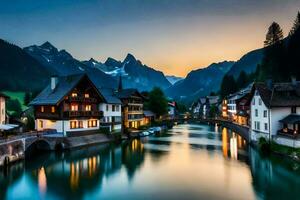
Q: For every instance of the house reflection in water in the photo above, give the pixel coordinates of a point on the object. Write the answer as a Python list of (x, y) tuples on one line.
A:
[(83, 168), (232, 144), (42, 181)]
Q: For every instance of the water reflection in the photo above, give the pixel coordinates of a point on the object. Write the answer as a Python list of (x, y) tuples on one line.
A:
[(178, 165)]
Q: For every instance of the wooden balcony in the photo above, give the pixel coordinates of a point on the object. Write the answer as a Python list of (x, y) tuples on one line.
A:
[(70, 114), (46, 115), (82, 99)]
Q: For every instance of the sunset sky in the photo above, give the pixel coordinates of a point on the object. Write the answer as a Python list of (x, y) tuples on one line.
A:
[(174, 36)]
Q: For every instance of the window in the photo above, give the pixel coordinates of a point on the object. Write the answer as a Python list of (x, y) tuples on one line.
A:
[(106, 107), (113, 108), (259, 101), (42, 109), (88, 107), (256, 113), (74, 94), (92, 123), (76, 124), (53, 109), (265, 113), (258, 125), (74, 107), (117, 108), (266, 126), (293, 110), (86, 95), (253, 102), (41, 124)]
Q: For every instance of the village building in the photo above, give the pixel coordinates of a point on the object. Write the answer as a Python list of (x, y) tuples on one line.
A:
[(69, 105), (172, 110), (275, 112), (243, 110), (111, 108), (149, 117), (3, 99)]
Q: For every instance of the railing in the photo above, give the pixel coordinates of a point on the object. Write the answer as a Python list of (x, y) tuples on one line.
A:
[(46, 115), (83, 99), (68, 114)]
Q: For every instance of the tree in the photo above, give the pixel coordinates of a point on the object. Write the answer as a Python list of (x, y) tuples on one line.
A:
[(14, 106), (158, 103), (273, 64), (296, 25), (242, 80), (228, 86), (293, 52), (27, 98), (274, 35)]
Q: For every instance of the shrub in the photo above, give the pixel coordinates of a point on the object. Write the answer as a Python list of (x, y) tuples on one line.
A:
[(264, 145)]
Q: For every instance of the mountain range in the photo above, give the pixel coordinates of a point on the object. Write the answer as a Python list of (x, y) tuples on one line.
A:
[(30, 68), (200, 82)]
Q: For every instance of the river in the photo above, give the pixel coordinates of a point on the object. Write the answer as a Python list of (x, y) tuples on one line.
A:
[(188, 162)]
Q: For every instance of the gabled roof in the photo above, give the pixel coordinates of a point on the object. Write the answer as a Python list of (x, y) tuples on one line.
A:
[(64, 86), (279, 95), (109, 96), (127, 93)]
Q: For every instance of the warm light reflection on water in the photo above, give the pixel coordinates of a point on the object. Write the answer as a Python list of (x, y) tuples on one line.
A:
[(188, 162)]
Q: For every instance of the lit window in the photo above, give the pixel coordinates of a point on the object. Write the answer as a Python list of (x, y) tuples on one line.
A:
[(74, 94), (42, 109), (88, 107), (76, 124), (41, 124), (74, 107), (92, 123), (86, 95), (53, 109)]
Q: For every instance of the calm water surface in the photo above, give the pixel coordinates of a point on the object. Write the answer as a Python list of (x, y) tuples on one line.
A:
[(189, 162)]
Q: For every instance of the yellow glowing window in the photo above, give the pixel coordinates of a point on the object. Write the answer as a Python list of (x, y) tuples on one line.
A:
[(88, 107), (86, 95), (74, 94), (42, 109), (73, 124), (74, 107), (53, 109)]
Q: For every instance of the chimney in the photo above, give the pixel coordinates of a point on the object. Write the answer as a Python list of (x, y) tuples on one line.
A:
[(294, 80), (54, 82)]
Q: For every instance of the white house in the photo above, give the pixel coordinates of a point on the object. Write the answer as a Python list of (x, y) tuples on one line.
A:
[(275, 112), (69, 105), (3, 98), (112, 112)]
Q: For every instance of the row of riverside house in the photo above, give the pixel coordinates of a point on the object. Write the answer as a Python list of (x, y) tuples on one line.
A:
[(270, 110), (202, 107), (73, 105)]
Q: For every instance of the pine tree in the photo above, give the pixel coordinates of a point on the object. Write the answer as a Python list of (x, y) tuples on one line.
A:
[(228, 86), (296, 25), (274, 35), (242, 80)]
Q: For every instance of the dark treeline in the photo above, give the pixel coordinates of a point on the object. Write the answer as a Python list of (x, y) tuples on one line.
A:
[(280, 62)]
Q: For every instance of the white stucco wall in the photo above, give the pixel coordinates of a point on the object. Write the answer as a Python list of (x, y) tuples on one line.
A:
[(2, 110), (255, 105), (109, 113), (63, 126)]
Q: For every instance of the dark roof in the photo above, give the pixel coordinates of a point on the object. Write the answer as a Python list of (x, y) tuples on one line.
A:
[(279, 94), (4, 95), (64, 86), (126, 93), (109, 96), (291, 119)]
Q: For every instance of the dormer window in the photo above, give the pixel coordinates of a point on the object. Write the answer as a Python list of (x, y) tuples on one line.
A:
[(74, 94), (42, 109), (86, 95)]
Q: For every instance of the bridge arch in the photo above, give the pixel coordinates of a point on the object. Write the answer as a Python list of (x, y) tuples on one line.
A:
[(36, 145)]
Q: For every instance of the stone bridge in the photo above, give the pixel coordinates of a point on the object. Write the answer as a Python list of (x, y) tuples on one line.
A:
[(241, 130), (14, 148)]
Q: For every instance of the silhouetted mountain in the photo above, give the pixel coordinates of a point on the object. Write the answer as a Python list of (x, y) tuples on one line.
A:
[(200, 82), (247, 63), (20, 71), (135, 74), (62, 63)]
